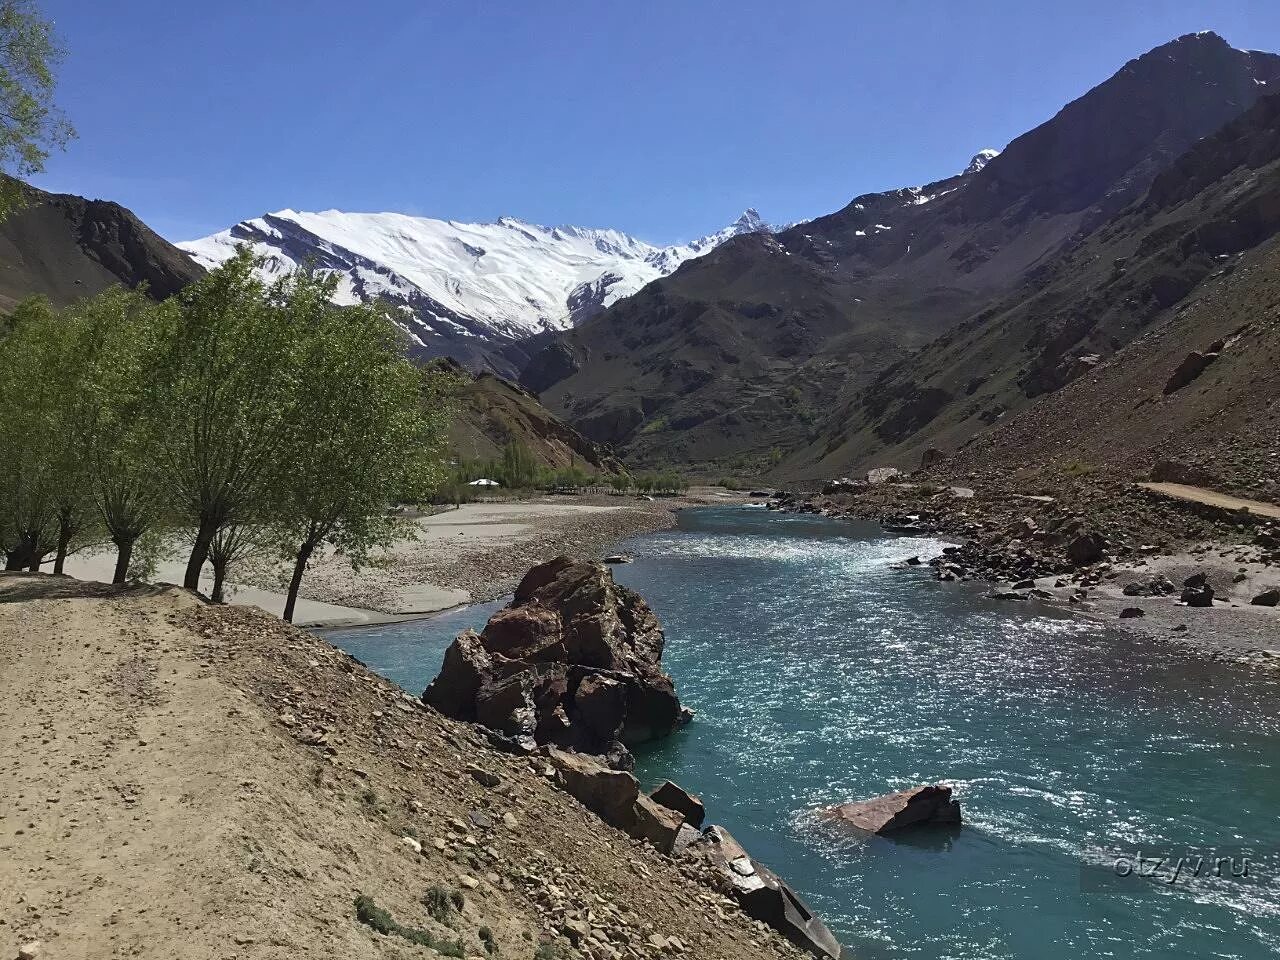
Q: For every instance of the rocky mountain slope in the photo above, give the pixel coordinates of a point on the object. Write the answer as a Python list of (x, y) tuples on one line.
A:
[(751, 347), (493, 412), (1122, 337), (472, 291), (66, 247), (210, 782)]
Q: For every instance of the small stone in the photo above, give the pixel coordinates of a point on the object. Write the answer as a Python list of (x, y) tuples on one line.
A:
[(412, 843), (29, 951), (509, 820), (484, 777), (469, 882), (1128, 613)]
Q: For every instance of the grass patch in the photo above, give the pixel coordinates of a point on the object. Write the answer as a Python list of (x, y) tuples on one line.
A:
[(442, 904), (373, 916)]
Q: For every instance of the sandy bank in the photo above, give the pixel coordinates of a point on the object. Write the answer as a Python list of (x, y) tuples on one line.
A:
[(469, 554)]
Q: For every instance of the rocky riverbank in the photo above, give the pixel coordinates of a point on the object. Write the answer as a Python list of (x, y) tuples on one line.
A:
[(187, 780), (1094, 548)]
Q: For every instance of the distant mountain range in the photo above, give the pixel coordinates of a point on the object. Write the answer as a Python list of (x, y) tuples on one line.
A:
[(1035, 306), (472, 291), (918, 318)]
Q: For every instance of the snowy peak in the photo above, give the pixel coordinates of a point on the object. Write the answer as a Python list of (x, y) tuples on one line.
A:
[(502, 281), (980, 160)]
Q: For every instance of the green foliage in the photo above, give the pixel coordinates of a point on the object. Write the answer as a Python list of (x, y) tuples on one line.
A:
[(243, 414), (42, 488), (30, 125), (442, 904), (375, 917)]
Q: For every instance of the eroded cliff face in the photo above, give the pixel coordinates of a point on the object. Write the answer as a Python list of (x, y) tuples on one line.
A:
[(574, 661)]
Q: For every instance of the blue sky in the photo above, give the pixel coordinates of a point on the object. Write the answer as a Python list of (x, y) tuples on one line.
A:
[(665, 118)]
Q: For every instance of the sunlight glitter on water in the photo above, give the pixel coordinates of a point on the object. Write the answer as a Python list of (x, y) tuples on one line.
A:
[(820, 675)]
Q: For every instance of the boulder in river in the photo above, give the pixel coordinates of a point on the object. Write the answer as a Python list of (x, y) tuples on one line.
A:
[(763, 895), (919, 806), (574, 660)]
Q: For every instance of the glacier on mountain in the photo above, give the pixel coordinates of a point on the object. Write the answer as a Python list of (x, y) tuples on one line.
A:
[(503, 280)]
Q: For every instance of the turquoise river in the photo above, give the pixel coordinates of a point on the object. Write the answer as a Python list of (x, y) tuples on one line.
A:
[(1080, 756)]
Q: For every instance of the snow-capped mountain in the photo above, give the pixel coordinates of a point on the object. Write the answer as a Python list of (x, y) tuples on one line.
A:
[(499, 282)]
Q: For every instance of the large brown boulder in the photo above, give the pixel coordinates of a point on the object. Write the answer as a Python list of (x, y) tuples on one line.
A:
[(918, 806), (574, 660)]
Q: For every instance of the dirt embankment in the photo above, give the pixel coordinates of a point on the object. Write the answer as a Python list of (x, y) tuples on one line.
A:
[(185, 781)]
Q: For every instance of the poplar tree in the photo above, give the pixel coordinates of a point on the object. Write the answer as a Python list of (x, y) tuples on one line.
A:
[(365, 428), (224, 384), (122, 422)]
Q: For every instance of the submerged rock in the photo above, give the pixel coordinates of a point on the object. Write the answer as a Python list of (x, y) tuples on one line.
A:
[(764, 895), (919, 806), (574, 661)]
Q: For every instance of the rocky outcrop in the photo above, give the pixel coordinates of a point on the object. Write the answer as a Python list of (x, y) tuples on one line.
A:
[(615, 797), (920, 806), (573, 661), (762, 893), (1192, 365), (1268, 598), (668, 819)]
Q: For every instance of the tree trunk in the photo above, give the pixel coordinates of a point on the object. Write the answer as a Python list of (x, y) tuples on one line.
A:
[(64, 544), (20, 557), (199, 553), (36, 559), (219, 577), (304, 555), (123, 557)]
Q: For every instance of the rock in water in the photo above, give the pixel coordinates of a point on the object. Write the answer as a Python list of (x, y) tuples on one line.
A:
[(919, 806), (764, 895), (573, 661)]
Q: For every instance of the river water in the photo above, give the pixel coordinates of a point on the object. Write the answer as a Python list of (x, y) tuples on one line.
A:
[(1080, 756)]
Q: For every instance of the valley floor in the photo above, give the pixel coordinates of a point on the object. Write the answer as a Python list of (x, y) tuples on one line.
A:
[(467, 554), (179, 780)]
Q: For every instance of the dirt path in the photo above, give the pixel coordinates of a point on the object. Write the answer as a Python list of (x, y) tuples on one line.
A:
[(186, 781), (1182, 491)]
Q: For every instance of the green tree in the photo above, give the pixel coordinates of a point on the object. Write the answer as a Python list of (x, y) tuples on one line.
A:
[(364, 427), (30, 125), (42, 480), (122, 423), (518, 468), (224, 387)]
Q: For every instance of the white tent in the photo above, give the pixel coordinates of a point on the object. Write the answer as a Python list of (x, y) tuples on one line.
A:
[(484, 483)]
